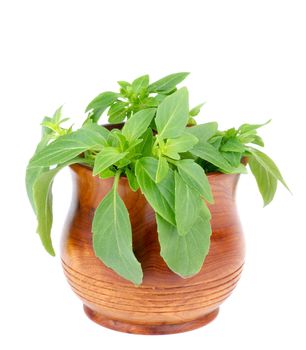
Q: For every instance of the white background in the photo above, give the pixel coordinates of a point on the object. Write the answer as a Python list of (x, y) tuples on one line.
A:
[(247, 60)]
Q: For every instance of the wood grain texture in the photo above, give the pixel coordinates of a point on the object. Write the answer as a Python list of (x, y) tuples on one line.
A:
[(164, 303)]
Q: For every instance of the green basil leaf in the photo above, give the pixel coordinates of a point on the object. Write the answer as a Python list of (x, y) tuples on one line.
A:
[(117, 112), (112, 238), (159, 98), (266, 182), (132, 179), (140, 84), (172, 154), (181, 144), (232, 132), (107, 157), (203, 132), (216, 141), (134, 144), (106, 174), (145, 148), (53, 124), (56, 118), (232, 145), (42, 198), (124, 84), (195, 177), (257, 140), (121, 141), (50, 125), (161, 195), (167, 83), (42, 193), (150, 102), (125, 88), (113, 139), (208, 152), (122, 163), (187, 205), (268, 163), (68, 146), (184, 255), (246, 128), (234, 158), (138, 123), (99, 129), (46, 131), (33, 171), (266, 174), (247, 137), (103, 100), (196, 110), (162, 169), (100, 103), (172, 115), (240, 169)]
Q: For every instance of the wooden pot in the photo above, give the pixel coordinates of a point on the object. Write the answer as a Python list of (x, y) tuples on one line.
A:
[(164, 303)]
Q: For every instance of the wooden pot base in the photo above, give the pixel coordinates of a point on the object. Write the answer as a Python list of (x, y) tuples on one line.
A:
[(150, 329)]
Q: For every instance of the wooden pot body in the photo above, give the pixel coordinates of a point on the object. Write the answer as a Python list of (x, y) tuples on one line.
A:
[(164, 303)]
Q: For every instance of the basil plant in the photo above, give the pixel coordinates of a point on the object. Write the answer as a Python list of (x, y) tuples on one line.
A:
[(164, 154)]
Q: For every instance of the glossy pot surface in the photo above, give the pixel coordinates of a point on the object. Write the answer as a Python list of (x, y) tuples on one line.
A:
[(164, 303)]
